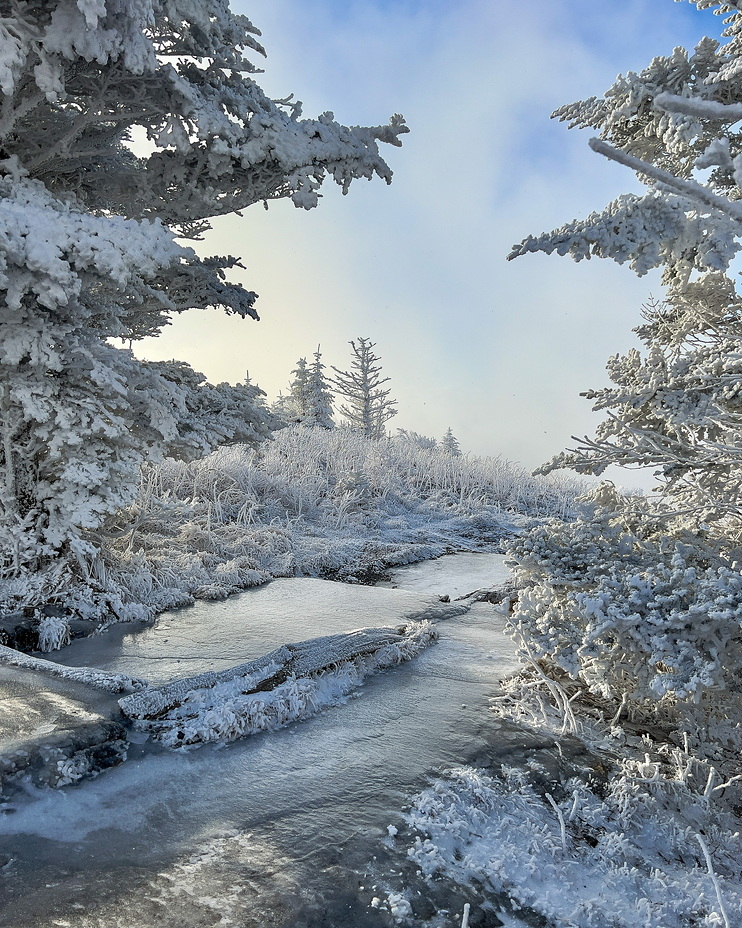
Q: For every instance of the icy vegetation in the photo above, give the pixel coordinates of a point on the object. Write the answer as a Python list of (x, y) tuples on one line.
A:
[(642, 826), (589, 861), (311, 502), (288, 684)]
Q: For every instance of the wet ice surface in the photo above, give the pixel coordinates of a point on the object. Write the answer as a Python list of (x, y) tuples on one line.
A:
[(218, 635), (454, 575), (286, 828)]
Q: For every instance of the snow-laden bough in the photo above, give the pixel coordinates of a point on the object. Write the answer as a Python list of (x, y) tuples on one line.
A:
[(293, 682)]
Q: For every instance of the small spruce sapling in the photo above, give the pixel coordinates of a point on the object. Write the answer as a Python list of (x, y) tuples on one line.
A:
[(368, 406)]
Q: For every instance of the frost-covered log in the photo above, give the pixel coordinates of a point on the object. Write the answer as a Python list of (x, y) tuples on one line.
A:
[(287, 684), (91, 676), (155, 701)]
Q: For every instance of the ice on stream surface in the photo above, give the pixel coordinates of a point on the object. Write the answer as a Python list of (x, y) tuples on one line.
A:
[(455, 575), (287, 828)]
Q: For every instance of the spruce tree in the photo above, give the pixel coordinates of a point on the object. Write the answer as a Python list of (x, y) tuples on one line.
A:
[(318, 395), (449, 444), (298, 397), (368, 406)]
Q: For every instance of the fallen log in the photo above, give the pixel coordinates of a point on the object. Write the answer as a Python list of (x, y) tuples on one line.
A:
[(91, 676), (287, 684)]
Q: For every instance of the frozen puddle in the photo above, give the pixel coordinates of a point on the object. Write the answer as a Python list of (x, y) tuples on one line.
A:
[(287, 828)]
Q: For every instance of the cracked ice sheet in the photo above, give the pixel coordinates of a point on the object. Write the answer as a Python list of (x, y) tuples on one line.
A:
[(217, 635), (452, 575)]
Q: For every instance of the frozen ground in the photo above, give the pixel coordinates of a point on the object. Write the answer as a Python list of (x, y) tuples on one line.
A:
[(287, 828)]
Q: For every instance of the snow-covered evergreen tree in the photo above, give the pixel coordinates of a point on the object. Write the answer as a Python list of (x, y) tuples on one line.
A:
[(318, 395), (88, 248), (309, 400), (298, 391), (623, 597), (678, 406), (282, 408), (367, 406), (449, 444), (670, 123)]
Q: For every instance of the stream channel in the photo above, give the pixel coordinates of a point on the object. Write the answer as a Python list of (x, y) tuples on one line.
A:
[(287, 828)]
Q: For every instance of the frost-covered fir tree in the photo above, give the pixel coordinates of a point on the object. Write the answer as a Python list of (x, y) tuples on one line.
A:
[(368, 406), (294, 404), (318, 395), (677, 407), (645, 598), (91, 242), (449, 444)]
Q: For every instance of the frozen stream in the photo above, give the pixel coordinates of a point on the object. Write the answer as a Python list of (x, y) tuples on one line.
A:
[(281, 829)]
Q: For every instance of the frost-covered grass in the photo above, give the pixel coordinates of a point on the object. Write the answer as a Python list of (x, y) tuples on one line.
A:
[(641, 826), (311, 502)]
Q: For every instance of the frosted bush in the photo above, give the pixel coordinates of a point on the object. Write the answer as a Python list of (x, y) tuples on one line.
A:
[(54, 633), (616, 600), (627, 858)]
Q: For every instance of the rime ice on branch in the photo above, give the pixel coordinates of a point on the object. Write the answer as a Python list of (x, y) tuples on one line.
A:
[(643, 598)]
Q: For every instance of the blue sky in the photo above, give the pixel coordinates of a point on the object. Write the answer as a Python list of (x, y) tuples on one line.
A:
[(499, 351)]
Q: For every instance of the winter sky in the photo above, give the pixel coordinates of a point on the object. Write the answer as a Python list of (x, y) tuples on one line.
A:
[(499, 351)]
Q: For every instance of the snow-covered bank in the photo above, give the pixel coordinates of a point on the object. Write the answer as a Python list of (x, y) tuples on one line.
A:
[(626, 827), (312, 503)]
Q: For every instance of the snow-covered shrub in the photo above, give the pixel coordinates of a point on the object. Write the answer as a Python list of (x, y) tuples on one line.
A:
[(616, 600), (626, 856)]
